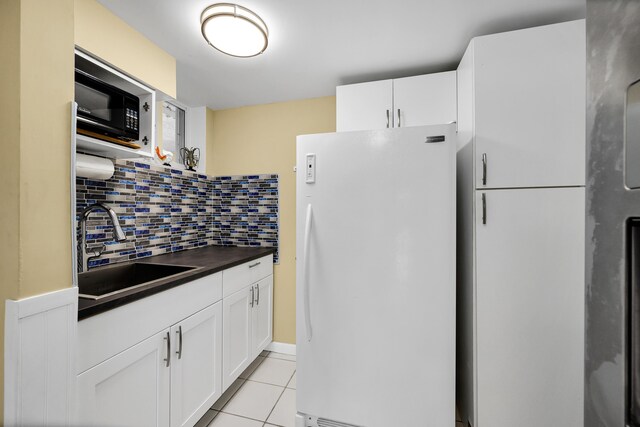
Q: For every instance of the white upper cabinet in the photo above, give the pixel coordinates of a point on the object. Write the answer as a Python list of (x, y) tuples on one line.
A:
[(425, 100), (529, 106), (364, 106), (412, 101)]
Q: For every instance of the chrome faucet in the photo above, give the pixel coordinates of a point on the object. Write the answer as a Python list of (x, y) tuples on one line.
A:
[(117, 232)]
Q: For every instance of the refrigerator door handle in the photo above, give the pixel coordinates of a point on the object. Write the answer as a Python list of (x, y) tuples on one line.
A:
[(305, 271)]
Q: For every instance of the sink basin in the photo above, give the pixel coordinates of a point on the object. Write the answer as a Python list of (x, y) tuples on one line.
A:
[(112, 280)]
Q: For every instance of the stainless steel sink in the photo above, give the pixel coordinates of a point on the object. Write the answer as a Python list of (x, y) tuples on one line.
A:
[(107, 281)]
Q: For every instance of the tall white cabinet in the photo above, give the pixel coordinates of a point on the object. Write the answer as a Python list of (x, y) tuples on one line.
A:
[(521, 198), (429, 99)]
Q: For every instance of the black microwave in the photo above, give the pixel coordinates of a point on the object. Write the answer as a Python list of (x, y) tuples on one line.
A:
[(105, 111)]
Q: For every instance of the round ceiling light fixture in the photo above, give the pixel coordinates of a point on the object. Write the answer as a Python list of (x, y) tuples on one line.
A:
[(234, 30)]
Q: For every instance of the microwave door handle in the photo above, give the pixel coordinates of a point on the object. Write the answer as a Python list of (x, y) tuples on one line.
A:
[(93, 122), (100, 125), (84, 119)]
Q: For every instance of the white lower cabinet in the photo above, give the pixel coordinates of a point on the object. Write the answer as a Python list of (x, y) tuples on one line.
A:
[(248, 328), (196, 365), (236, 312), (164, 360), (130, 389), (262, 316), (170, 379)]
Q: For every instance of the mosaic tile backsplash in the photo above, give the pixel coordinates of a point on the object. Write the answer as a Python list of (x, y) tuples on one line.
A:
[(165, 210)]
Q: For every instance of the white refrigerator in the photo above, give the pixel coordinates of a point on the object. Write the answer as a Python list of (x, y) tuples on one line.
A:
[(375, 278)]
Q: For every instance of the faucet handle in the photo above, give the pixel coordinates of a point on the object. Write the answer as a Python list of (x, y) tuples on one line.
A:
[(97, 252), (101, 250)]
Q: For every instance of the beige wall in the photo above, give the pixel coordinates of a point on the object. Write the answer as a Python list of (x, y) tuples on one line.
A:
[(106, 36), (10, 160), (262, 139), (47, 63), (36, 44)]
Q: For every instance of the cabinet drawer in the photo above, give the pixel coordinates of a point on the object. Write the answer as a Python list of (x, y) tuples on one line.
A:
[(245, 274)]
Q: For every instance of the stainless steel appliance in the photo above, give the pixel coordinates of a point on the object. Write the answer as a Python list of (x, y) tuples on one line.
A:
[(612, 368)]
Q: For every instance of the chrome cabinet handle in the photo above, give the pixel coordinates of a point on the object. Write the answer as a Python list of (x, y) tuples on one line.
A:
[(484, 168), (179, 352), (254, 265), (387, 119), (399, 125), (252, 296), (168, 359), (258, 292), (484, 208)]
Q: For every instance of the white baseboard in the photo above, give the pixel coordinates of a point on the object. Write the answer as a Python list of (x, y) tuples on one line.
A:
[(39, 359), (282, 347)]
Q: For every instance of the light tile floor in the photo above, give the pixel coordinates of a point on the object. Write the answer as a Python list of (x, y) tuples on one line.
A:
[(264, 395)]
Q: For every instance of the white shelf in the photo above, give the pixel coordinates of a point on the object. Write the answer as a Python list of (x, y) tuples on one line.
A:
[(89, 145)]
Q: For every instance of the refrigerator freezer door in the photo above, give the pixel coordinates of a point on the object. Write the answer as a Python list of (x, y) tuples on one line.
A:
[(376, 335)]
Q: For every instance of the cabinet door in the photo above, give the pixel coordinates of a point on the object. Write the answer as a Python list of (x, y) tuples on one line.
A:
[(236, 335), (424, 100), (262, 316), (530, 107), (364, 106), (196, 368), (530, 307), (130, 389)]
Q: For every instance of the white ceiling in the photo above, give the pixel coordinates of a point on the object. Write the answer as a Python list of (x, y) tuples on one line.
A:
[(315, 45)]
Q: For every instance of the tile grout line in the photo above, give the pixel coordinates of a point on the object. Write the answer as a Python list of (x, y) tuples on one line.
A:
[(282, 358), (275, 385), (279, 397), (242, 416), (276, 404), (290, 379)]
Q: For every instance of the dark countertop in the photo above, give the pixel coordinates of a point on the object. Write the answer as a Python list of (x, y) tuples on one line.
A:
[(208, 260)]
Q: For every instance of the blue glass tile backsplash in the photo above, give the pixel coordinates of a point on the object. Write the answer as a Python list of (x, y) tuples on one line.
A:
[(165, 210)]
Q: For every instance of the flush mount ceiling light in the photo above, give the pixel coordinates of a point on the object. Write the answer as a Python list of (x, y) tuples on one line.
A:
[(234, 30)]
